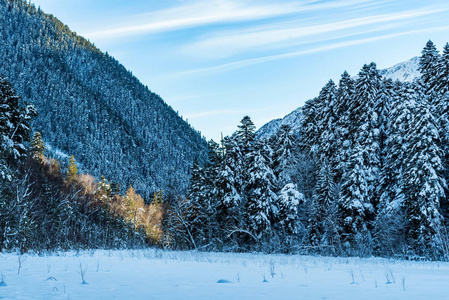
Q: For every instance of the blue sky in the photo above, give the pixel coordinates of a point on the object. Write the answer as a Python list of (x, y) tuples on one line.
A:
[(215, 61)]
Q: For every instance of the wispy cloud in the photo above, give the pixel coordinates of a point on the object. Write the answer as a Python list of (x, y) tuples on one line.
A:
[(284, 34), (248, 62), (205, 12)]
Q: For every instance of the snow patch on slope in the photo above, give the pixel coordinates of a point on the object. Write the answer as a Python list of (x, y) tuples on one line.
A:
[(405, 71)]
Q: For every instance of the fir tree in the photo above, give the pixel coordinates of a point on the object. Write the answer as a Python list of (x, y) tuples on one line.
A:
[(288, 201), (284, 157), (229, 187), (15, 122), (322, 222), (442, 72), (427, 65), (343, 139), (261, 196), (37, 145), (424, 185), (246, 133)]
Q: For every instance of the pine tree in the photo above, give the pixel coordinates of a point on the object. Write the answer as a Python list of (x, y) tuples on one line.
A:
[(246, 134), (284, 157), (15, 127), (261, 196), (427, 65), (389, 223), (322, 222), (424, 185), (288, 201), (365, 117), (354, 207), (326, 125), (442, 72), (344, 141), (229, 186), (309, 137), (37, 145)]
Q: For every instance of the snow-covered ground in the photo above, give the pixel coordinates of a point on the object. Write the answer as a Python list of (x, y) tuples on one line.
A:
[(155, 274)]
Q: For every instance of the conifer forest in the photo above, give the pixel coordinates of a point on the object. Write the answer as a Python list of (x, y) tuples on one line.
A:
[(90, 158)]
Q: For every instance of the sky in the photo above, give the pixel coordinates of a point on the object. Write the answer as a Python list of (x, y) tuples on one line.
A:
[(215, 61)]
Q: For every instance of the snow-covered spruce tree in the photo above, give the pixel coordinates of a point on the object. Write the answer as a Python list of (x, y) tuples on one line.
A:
[(15, 128), (323, 227), (442, 72), (326, 123), (440, 109), (229, 185), (354, 207), (37, 145), (246, 134), (287, 220), (309, 137), (261, 208), (203, 201), (284, 158), (389, 224), (359, 192), (196, 216), (428, 65), (424, 184), (343, 140)]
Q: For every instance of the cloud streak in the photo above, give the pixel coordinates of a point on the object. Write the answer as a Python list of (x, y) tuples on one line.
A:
[(264, 59), (206, 12), (226, 44)]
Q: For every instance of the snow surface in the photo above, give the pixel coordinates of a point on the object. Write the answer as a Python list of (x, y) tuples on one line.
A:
[(155, 274)]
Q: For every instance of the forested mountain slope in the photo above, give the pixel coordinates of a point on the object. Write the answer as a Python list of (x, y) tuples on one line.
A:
[(90, 106), (405, 72)]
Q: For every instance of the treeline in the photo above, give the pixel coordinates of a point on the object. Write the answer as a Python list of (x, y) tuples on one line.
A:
[(43, 207), (367, 175)]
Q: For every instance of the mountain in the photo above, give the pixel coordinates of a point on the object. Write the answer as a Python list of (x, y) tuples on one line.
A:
[(91, 107), (405, 71), (293, 119)]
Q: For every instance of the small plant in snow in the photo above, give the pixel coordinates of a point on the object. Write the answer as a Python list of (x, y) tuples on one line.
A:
[(387, 276), (82, 273), (20, 260), (351, 273), (98, 265), (2, 282), (375, 284), (48, 268), (392, 276), (272, 268), (403, 283), (238, 277), (264, 278)]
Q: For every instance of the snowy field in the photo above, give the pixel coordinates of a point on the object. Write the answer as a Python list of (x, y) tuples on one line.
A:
[(155, 274)]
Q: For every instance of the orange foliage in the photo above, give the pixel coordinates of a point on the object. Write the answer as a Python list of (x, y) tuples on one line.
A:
[(131, 207)]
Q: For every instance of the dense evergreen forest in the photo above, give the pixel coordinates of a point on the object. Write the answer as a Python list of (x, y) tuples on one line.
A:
[(91, 107), (367, 175)]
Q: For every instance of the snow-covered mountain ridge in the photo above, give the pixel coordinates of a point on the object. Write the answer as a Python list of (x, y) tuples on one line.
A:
[(404, 71)]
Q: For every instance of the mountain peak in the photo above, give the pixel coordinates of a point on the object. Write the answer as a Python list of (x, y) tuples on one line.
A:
[(406, 71)]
